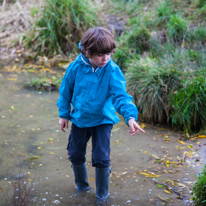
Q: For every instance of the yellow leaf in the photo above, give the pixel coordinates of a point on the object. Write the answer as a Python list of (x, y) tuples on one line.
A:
[(181, 142), (11, 125), (38, 147), (189, 146), (202, 136), (91, 179), (167, 191), (51, 153), (117, 141), (51, 139), (145, 151), (177, 147), (12, 107), (11, 79), (167, 163)]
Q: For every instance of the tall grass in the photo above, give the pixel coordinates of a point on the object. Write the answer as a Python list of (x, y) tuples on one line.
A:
[(151, 82), (61, 26), (188, 103)]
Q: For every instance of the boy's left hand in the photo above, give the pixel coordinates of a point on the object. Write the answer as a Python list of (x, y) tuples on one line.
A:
[(134, 127)]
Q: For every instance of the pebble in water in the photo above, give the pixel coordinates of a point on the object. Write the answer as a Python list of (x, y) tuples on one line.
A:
[(56, 202)]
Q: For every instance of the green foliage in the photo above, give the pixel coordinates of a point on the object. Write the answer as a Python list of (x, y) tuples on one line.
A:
[(139, 39), (177, 28), (201, 3), (199, 189), (45, 84), (34, 11), (163, 14), (61, 26), (188, 103), (151, 82)]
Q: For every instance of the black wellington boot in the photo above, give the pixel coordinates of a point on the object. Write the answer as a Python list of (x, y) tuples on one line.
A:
[(80, 176), (102, 185)]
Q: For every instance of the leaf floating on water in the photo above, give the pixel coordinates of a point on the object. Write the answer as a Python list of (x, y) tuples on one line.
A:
[(202, 136), (160, 185), (181, 142), (150, 175), (11, 79), (166, 199), (91, 179), (168, 192), (117, 141)]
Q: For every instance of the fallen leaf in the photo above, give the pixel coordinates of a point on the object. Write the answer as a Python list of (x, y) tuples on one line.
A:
[(168, 192), (12, 107), (202, 136), (181, 142), (11, 79)]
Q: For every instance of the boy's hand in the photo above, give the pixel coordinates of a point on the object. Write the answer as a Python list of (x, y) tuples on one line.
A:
[(63, 124), (134, 127)]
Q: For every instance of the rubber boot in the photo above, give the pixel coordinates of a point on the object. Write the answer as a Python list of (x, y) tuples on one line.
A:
[(102, 185), (80, 176)]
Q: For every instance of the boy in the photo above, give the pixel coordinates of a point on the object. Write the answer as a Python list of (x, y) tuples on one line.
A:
[(95, 87)]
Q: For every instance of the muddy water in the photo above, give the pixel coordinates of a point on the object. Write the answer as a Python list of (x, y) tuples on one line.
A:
[(33, 148)]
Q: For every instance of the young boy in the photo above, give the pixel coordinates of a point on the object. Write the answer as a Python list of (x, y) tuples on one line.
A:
[(96, 88)]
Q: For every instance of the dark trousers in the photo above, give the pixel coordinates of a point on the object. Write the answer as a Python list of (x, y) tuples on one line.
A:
[(78, 139)]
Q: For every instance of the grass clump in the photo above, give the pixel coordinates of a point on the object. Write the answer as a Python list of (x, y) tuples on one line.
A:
[(188, 103), (199, 189), (139, 39), (177, 28), (151, 83), (61, 26), (45, 84)]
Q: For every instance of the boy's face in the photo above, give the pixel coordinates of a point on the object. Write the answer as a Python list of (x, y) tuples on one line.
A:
[(99, 60)]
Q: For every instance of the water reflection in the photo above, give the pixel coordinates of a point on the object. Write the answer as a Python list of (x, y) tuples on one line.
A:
[(33, 150)]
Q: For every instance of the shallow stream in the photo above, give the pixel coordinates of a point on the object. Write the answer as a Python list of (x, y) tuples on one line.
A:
[(33, 148)]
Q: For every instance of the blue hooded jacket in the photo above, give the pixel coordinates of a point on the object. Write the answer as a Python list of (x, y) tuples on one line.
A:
[(95, 95)]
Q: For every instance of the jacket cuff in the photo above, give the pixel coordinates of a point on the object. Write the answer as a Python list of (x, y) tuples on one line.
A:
[(66, 117), (131, 117)]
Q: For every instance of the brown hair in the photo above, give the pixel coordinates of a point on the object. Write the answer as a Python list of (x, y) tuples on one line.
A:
[(97, 40)]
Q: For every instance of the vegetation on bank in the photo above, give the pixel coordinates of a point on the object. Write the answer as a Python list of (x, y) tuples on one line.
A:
[(199, 189), (61, 26), (161, 51), (45, 84)]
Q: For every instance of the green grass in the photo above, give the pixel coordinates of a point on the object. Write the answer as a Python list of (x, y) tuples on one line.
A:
[(61, 27), (45, 84), (188, 103), (199, 189)]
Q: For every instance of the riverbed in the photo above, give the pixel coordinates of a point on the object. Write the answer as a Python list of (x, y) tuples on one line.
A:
[(33, 152)]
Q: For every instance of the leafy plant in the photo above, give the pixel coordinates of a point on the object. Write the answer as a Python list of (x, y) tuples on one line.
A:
[(61, 26), (199, 189)]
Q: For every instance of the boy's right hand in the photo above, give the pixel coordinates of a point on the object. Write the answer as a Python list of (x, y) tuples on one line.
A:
[(63, 124)]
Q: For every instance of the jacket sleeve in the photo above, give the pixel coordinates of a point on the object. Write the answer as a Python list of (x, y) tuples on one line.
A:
[(66, 92), (122, 101)]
